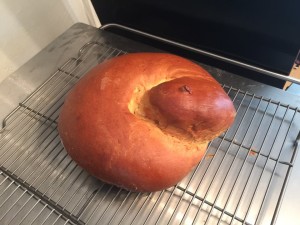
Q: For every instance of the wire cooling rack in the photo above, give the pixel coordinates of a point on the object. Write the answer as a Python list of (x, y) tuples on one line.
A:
[(240, 180)]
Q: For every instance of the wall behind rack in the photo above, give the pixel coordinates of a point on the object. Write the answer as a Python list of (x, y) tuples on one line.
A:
[(28, 26)]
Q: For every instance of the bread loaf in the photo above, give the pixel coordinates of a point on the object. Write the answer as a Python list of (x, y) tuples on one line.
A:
[(142, 121)]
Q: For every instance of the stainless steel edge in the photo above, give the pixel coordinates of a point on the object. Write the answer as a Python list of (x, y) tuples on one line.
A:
[(286, 180), (206, 53)]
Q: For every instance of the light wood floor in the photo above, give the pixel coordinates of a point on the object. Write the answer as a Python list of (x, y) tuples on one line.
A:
[(295, 72)]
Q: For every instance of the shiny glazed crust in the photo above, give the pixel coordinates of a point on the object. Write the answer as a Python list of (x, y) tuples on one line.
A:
[(115, 122)]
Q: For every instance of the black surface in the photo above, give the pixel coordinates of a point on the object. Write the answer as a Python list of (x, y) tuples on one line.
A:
[(200, 58), (222, 76), (262, 33)]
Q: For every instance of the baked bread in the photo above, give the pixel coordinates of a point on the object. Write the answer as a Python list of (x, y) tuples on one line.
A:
[(142, 121)]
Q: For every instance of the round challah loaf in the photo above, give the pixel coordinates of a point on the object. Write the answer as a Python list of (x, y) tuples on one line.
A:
[(142, 121)]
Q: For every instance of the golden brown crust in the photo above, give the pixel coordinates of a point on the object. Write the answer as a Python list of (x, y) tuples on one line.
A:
[(197, 107), (105, 127)]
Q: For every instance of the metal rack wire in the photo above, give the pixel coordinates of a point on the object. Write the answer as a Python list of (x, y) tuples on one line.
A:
[(241, 179)]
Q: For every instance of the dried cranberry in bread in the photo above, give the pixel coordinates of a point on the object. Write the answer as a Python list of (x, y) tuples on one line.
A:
[(142, 121)]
